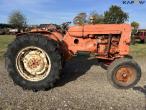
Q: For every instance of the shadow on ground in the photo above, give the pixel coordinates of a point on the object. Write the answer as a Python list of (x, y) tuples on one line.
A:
[(141, 89), (75, 68)]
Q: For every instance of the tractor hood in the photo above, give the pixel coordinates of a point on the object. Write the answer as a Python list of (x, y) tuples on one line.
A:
[(99, 29), (76, 30)]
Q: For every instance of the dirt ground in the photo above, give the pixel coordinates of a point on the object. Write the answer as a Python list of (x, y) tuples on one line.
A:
[(83, 86)]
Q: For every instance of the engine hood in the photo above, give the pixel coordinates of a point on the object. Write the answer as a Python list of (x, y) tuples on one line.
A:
[(76, 30)]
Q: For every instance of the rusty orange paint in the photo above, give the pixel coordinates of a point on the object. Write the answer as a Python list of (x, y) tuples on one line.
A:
[(125, 75), (94, 39), (89, 44)]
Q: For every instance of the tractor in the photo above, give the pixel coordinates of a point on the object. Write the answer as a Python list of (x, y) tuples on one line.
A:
[(34, 60), (140, 35)]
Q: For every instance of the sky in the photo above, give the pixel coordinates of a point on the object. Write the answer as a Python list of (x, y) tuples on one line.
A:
[(59, 11)]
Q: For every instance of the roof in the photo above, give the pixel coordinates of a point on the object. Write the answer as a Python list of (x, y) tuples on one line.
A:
[(141, 29)]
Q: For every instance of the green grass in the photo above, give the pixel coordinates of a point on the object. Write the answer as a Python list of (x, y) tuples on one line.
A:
[(138, 50), (4, 41)]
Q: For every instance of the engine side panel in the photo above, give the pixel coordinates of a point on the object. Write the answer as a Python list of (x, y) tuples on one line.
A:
[(105, 40), (79, 44)]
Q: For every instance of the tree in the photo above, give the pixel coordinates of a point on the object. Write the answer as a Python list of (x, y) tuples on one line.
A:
[(115, 15), (80, 19), (135, 24), (17, 20), (95, 18), (2, 25)]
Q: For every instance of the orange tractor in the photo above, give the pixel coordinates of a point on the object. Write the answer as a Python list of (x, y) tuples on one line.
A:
[(35, 59)]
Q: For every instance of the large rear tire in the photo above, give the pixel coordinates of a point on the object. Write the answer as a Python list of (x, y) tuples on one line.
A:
[(33, 62), (124, 73)]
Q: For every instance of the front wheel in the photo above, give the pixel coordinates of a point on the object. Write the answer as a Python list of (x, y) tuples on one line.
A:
[(124, 73), (33, 62)]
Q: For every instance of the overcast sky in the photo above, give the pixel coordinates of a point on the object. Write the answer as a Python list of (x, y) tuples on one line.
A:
[(58, 11)]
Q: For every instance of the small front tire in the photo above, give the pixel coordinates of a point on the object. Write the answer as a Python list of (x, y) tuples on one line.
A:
[(124, 73)]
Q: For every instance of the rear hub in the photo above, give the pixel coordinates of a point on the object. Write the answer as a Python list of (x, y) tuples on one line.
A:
[(33, 63)]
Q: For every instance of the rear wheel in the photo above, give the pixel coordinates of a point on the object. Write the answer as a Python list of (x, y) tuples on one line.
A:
[(33, 62), (124, 73)]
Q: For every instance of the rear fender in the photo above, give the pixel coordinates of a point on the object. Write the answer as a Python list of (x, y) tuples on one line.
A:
[(51, 35)]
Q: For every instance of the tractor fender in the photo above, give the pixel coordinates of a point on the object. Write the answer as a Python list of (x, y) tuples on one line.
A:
[(51, 35)]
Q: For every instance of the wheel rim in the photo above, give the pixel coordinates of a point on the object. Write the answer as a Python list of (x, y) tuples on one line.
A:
[(33, 63), (125, 76)]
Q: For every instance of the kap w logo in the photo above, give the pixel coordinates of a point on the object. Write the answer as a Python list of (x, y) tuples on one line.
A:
[(141, 2)]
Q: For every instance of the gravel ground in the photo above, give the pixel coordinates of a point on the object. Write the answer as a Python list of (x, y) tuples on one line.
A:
[(84, 86)]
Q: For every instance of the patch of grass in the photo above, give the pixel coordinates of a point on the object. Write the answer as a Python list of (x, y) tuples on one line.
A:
[(4, 41), (138, 50)]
